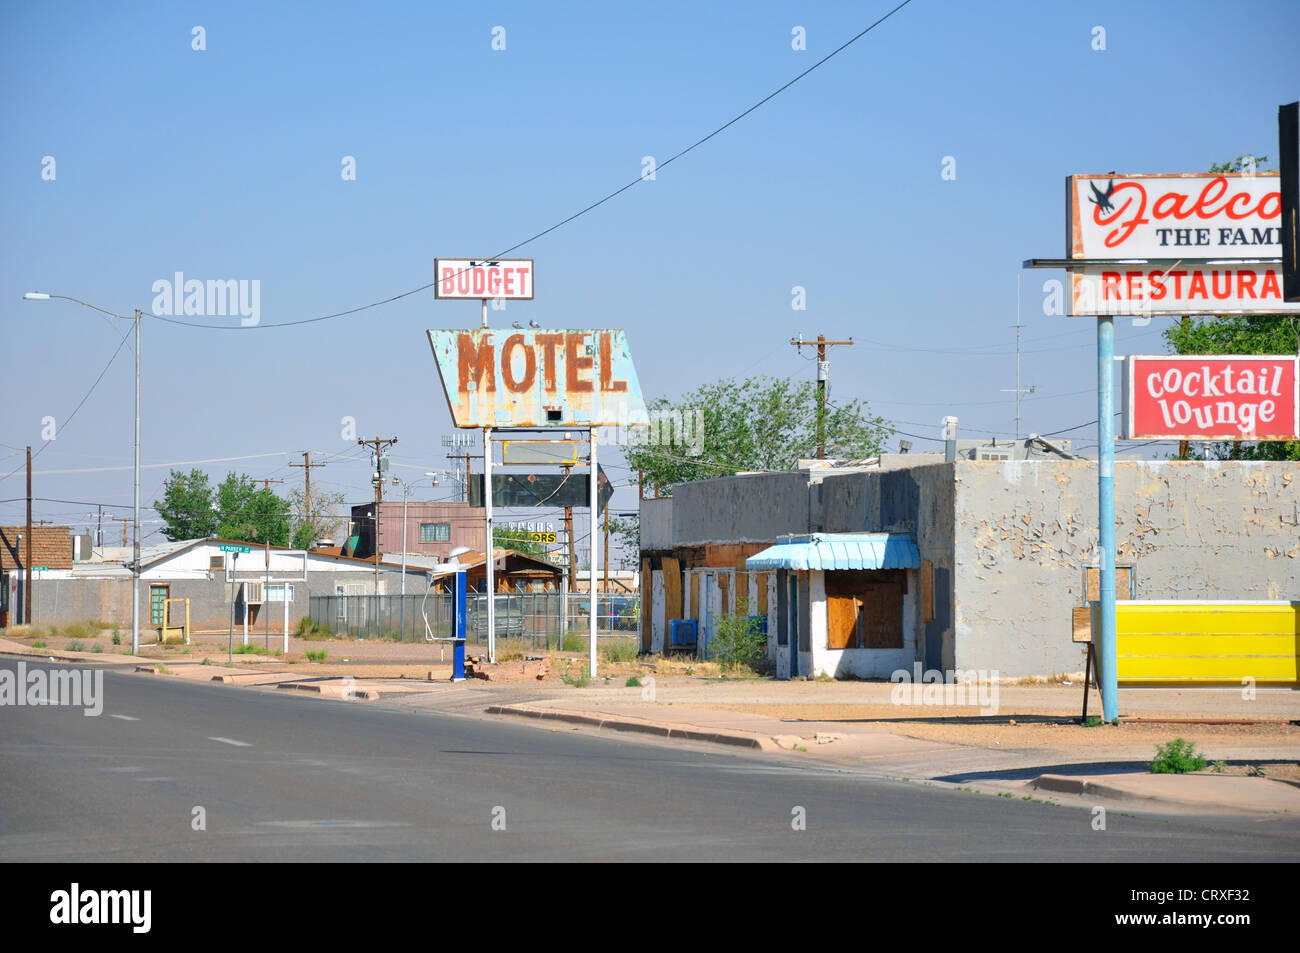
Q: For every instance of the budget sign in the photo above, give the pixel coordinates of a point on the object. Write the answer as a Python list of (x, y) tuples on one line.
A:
[(1224, 397), (510, 278)]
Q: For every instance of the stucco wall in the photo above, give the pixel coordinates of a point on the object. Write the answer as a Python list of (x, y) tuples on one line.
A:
[(1192, 530), (741, 509)]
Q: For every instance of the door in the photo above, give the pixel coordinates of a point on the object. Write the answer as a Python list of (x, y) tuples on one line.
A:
[(158, 605), (792, 623)]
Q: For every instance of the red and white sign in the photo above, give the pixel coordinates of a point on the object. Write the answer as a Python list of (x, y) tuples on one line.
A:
[(1232, 397), (510, 278), (1232, 219)]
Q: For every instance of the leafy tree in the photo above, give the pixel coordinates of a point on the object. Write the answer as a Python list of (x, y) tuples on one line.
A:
[(1240, 334), (760, 423), (246, 513), (324, 518), (626, 530), (186, 506)]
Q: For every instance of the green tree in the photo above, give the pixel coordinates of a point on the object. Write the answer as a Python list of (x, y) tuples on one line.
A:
[(246, 513), (1240, 334), (186, 506), (762, 423)]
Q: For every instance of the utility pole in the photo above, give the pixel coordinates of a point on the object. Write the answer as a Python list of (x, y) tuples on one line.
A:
[(823, 375), (568, 533), (27, 560), (99, 528), (266, 484), (125, 521), (607, 549), (306, 475), (377, 479)]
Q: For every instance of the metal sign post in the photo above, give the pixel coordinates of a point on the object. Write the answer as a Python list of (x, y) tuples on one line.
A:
[(489, 549), (230, 641), (591, 564), (1106, 651)]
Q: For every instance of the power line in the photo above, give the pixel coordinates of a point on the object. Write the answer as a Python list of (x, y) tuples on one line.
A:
[(576, 215)]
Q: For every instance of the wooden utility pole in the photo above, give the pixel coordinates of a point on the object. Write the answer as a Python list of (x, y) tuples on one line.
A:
[(568, 535), (823, 374), (378, 480), (606, 576), (266, 483), (125, 521), (306, 476), (27, 560)]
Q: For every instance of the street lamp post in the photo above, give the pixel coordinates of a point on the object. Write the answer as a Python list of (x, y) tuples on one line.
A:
[(406, 492), (135, 548)]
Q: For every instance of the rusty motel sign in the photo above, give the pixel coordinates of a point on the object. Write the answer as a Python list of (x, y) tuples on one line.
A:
[(537, 379), (1150, 245)]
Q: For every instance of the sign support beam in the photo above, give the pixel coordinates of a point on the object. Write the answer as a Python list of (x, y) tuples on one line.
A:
[(591, 564), (489, 552), (1106, 651)]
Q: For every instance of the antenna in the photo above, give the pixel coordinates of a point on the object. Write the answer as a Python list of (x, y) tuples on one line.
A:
[(1018, 390)]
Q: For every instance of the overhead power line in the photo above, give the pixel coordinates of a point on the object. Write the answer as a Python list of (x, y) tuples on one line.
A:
[(565, 221)]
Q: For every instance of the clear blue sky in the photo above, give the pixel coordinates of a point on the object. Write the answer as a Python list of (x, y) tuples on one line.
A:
[(226, 163)]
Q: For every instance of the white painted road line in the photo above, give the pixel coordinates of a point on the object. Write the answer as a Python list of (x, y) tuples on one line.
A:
[(231, 741), (124, 717)]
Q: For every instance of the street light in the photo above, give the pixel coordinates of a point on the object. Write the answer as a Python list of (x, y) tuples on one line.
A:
[(135, 553), (406, 492)]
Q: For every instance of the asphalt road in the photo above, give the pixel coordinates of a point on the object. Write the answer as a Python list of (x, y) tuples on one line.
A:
[(281, 777)]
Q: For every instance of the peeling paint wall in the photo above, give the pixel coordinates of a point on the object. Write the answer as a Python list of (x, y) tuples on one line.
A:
[(1192, 530)]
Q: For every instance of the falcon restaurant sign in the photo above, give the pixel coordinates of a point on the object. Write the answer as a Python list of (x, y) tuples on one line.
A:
[(1186, 397), (1233, 219), (510, 278), (538, 378)]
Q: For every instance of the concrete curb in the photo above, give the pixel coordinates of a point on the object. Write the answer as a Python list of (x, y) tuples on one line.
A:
[(1082, 786), (332, 691), (638, 727)]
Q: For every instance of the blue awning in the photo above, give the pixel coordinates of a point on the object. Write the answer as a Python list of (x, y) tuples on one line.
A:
[(822, 551)]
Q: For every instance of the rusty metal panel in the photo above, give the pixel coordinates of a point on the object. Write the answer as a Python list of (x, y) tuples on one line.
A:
[(560, 453), (539, 378)]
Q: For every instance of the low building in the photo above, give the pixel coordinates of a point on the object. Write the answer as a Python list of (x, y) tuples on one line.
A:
[(432, 529), (51, 556), (1002, 549)]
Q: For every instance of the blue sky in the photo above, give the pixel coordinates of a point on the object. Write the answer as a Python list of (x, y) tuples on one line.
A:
[(225, 163)]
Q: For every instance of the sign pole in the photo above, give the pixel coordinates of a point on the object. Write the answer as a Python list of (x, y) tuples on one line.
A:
[(489, 555), (230, 641), (591, 563), (1106, 651)]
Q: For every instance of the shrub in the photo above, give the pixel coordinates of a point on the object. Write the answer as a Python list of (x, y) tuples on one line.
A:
[(575, 640), (581, 680), (38, 644), (1177, 757), (74, 646), (633, 682), (618, 650), (117, 636), (96, 647), (317, 655), (738, 641)]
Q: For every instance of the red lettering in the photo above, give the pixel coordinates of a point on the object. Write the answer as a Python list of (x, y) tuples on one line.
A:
[(1134, 295), (513, 384), (478, 282), (510, 280), (1246, 284), (607, 382), (494, 282), (574, 363), (1110, 283), (1270, 287), (548, 343), (475, 364), (1197, 283)]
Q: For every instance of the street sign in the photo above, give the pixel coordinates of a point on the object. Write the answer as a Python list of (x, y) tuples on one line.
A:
[(1182, 244), (1219, 397), (226, 548), (563, 378), (560, 453), (556, 490), (510, 278)]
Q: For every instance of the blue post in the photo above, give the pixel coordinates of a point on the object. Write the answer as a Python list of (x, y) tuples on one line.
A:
[(1106, 652), (458, 654)]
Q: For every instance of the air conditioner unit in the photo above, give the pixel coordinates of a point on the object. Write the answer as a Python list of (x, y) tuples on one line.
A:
[(993, 453), (253, 594)]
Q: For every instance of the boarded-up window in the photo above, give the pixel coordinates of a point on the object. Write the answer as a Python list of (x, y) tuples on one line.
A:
[(864, 609), (216, 563), (724, 599), (1092, 583), (672, 589), (760, 583)]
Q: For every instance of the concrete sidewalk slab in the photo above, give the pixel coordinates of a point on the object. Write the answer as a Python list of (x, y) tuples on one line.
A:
[(1189, 790)]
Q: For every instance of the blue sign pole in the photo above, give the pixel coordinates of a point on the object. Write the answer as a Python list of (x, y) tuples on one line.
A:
[(458, 653), (1106, 651)]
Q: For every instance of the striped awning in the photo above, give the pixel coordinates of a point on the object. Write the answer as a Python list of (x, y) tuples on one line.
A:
[(829, 551)]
